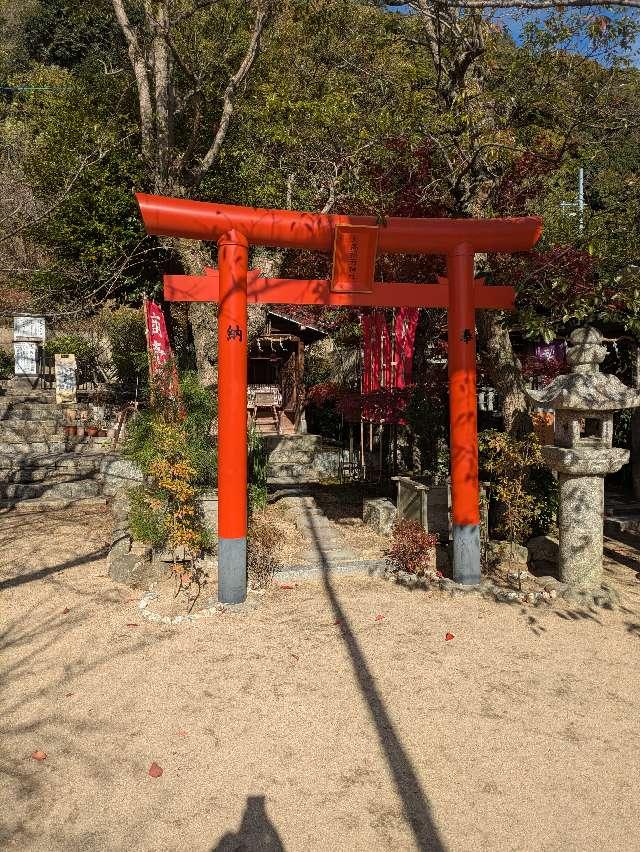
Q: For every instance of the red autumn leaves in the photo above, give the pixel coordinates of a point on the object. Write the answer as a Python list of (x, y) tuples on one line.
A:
[(155, 770)]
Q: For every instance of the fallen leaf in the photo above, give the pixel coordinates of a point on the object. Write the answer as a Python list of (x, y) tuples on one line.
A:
[(379, 617), (448, 636), (66, 610), (39, 755), (155, 771)]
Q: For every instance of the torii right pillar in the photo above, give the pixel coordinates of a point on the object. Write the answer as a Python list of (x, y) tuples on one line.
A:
[(463, 417)]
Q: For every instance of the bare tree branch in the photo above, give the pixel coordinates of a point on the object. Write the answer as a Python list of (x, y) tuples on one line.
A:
[(138, 63), (236, 80)]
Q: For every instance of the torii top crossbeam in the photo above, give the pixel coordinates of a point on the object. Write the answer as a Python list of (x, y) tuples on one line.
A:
[(355, 242), (177, 217)]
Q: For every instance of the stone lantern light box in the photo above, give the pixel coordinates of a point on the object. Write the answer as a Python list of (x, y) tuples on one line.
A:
[(584, 402)]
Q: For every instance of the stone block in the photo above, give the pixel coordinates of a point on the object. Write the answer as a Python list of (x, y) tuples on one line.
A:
[(136, 570), (506, 551), (543, 553), (177, 555), (379, 514), (119, 474)]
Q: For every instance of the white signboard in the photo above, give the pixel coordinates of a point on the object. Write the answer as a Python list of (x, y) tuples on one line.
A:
[(65, 378), (26, 359), (27, 327)]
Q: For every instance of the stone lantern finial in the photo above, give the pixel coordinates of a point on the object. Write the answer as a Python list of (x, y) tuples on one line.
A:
[(586, 352)]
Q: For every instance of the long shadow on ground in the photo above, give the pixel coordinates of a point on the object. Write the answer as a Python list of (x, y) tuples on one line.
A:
[(415, 804)]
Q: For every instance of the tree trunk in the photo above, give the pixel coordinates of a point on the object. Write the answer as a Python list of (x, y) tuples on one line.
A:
[(635, 428), (269, 261), (203, 316), (504, 370)]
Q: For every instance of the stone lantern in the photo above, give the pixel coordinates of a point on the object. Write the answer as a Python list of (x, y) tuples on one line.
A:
[(584, 402)]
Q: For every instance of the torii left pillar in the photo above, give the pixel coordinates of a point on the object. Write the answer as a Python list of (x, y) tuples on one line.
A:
[(233, 256), (461, 338)]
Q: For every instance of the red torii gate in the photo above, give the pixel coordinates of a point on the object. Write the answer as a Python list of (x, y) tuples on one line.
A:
[(355, 240)]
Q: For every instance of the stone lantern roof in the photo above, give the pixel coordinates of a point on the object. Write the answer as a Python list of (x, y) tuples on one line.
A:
[(585, 388)]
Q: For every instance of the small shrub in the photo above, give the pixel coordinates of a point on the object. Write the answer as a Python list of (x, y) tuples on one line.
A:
[(173, 449), (522, 486), (412, 549), (200, 409), (262, 559), (125, 329), (85, 351)]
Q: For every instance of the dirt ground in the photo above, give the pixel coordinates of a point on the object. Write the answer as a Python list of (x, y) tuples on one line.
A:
[(333, 717)]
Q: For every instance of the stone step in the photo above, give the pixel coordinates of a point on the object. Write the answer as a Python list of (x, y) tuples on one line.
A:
[(55, 444), (33, 475), (286, 468), (35, 397), (615, 524), (29, 431), (23, 507), (17, 415), (69, 461), (21, 410), (292, 458), (64, 489), (12, 422), (89, 446)]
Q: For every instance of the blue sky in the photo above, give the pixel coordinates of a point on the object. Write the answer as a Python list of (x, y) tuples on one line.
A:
[(515, 20)]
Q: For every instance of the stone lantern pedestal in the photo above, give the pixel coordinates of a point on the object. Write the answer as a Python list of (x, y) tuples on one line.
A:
[(584, 402)]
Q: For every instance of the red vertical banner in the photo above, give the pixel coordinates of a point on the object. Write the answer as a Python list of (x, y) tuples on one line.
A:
[(163, 374), (406, 322)]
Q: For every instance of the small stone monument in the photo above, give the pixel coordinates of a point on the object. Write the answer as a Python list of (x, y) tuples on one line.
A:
[(65, 367), (28, 336), (584, 402)]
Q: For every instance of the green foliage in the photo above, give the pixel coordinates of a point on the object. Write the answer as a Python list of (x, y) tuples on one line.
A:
[(166, 511), (125, 330), (257, 467), (64, 32), (146, 522), (427, 415), (524, 490), (176, 455), (85, 351), (190, 435)]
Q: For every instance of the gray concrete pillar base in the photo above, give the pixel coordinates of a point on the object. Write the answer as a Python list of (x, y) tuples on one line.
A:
[(466, 554), (232, 570)]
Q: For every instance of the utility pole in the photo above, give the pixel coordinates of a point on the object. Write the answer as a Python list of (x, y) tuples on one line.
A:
[(566, 206)]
